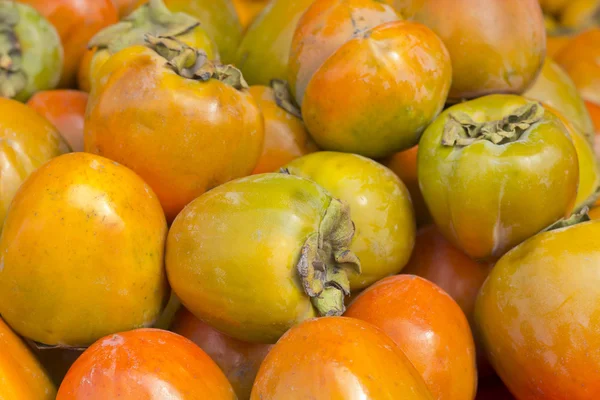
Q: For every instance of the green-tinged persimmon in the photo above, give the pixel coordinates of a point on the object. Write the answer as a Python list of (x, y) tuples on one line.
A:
[(82, 253), (247, 10), (193, 118), (379, 91), (495, 171), (257, 255), (380, 207), (337, 358)]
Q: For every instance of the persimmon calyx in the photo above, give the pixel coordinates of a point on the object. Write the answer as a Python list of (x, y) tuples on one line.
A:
[(12, 77), (326, 261), (284, 98), (461, 130), (574, 219), (192, 63), (152, 18)]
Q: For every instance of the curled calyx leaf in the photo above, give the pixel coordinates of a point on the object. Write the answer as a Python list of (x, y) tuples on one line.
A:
[(462, 130), (326, 261), (40, 346), (284, 98), (576, 218), (192, 63), (12, 77), (152, 18)]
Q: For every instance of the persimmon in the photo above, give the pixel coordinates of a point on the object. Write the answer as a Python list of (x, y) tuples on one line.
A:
[(247, 10), (125, 7), (429, 327), (142, 364), (65, 109), (238, 360), (337, 358), (594, 111)]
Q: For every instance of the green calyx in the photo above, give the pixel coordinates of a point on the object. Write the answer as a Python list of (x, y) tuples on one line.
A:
[(326, 261), (152, 18), (12, 77), (574, 219), (460, 129), (192, 63), (284, 98)]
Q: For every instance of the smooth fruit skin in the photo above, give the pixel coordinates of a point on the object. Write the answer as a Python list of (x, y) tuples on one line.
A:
[(594, 111), (76, 22), (555, 88), (82, 252), (247, 10), (378, 92), (65, 109), (337, 358), (238, 360), (580, 58), (406, 8), (325, 27), (380, 205), (21, 374), (286, 137), (537, 314), (145, 364), (125, 7), (264, 51), (497, 46), (27, 140), (487, 198), (181, 136), (429, 327)]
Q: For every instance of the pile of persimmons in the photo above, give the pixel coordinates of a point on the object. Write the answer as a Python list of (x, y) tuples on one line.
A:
[(299, 199)]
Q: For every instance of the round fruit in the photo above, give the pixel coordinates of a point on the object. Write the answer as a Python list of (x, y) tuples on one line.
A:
[(429, 327), (496, 46), (378, 92), (145, 364), (537, 315), (82, 253), (65, 109), (380, 206), (255, 256), (183, 129), (337, 358), (31, 56), (238, 360), (495, 171)]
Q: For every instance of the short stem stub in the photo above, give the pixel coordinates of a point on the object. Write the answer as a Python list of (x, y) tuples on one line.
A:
[(326, 261), (192, 63), (574, 219), (284, 98), (12, 77), (461, 130)]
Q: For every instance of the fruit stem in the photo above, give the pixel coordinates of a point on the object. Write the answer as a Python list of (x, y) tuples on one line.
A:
[(284, 98), (574, 219), (12, 77)]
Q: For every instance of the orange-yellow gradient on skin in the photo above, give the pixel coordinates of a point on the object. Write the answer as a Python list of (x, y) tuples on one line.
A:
[(538, 317), (143, 364), (180, 135), (429, 327), (247, 10), (21, 374), (77, 22), (238, 360), (337, 358), (286, 137), (323, 28), (378, 92), (83, 233), (497, 46)]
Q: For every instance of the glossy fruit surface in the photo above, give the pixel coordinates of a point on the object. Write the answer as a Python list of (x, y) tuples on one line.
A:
[(496, 46), (286, 137), (82, 250), (284, 228), (378, 92), (324, 28), (31, 53), (238, 360), (337, 358), (136, 116), (21, 374), (429, 327), (65, 109), (26, 142), (76, 22), (478, 179), (380, 207), (143, 364), (538, 318)]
